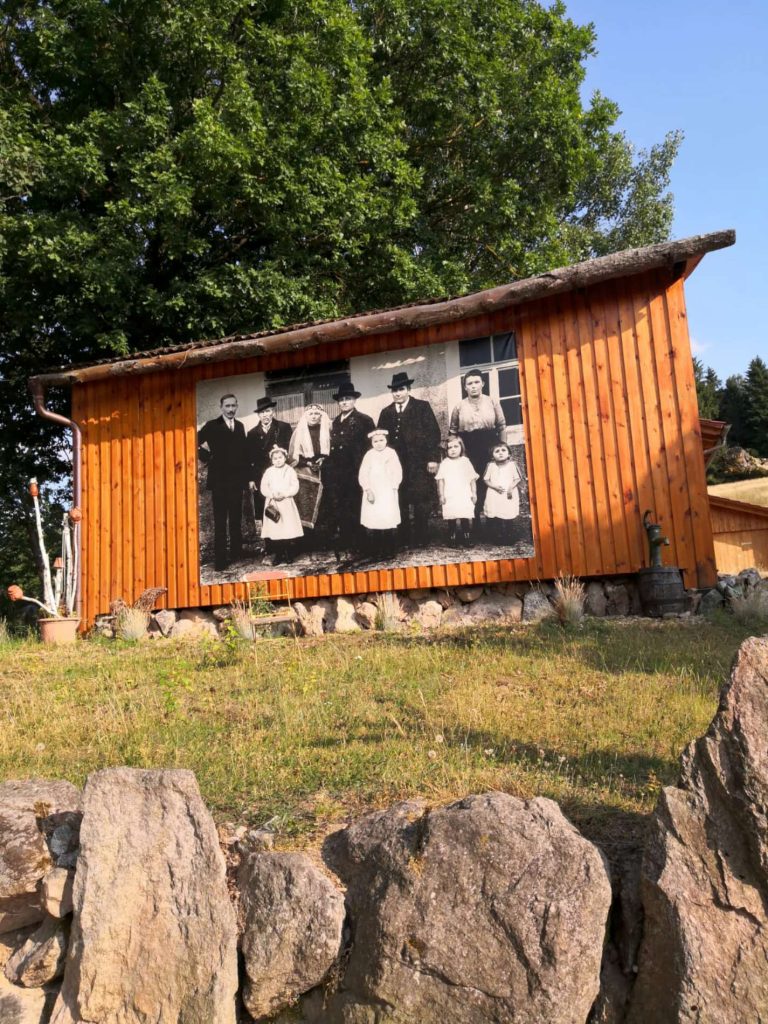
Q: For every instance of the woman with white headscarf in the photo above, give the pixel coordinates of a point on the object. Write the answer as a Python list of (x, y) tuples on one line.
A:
[(311, 440), (309, 447)]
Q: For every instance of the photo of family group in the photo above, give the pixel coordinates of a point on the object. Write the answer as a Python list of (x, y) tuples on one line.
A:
[(384, 461)]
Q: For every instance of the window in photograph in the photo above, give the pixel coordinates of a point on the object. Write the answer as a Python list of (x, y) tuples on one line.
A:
[(496, 358)]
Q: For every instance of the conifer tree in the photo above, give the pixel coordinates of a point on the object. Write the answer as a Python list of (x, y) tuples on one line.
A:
[(756, 407)]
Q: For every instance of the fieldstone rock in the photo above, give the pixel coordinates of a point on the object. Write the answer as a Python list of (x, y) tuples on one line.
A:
[(316, 618), (491, 909), (711, 601), (222, 613), (154, 933), (595, 602), (345, 616), (192, 628), (705, 869), (430, 614), (22, 1005), (366, 614), (291, 923), (444, 597), (165, 620), (63, 835), (495, 607), (41, 958), (635, 604), (57, 892), (421, 594), (468, 594), (536, 606), (408, 610), (30, 812), (749, 578), (617, 599), (201, 615)]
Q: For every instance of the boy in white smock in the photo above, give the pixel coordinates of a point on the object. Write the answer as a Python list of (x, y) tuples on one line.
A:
[(380, 477), (281, 524), (457, 490), (502, 499)]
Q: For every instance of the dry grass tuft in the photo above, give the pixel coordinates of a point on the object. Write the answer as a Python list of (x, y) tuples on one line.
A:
[(569, 599), (388, 612), (131, 623), (242, 621), (752, 607)]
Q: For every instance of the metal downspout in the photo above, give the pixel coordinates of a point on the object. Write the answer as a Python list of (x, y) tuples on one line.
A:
[(38, 398)]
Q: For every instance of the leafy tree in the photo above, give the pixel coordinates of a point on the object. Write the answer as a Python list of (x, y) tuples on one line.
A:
[(708, 386), (171, 171), (756, 407)]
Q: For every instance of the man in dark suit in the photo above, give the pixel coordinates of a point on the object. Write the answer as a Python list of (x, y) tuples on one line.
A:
[(222, 448), (414, 433), (268, 433), (341, 491)]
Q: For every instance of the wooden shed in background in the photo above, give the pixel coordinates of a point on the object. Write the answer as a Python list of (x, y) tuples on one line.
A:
[(609, 409), (740, 531)]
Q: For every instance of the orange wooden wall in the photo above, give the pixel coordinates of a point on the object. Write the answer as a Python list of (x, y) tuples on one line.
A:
[(609, 406), (740, 533)]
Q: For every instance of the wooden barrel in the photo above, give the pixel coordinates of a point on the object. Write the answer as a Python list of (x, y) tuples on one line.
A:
[(662, 591)]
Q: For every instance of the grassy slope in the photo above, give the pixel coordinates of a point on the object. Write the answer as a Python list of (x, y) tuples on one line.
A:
[(754, 491), (307, 732)]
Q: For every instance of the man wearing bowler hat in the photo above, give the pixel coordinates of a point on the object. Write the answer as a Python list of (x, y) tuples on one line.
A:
[(222, 448), (341, 490), (414, 433), (266, 435)]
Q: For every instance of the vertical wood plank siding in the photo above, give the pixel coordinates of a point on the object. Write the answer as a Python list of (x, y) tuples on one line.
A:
[(611, 424)]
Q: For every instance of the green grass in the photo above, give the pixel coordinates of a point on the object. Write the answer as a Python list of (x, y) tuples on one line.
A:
[(305, 733)]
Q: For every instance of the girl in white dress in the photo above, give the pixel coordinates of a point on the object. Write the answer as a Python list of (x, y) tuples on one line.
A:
[(280, 485), (502, 499), (380, 477), (457, 489)]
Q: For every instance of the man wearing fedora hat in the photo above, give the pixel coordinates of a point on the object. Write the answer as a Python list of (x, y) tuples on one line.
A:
[(222, 448), (267, 434), (349, 443), (414, 433)]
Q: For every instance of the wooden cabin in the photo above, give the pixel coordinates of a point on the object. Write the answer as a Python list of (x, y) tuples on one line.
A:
[(605, 413), (740, 532)]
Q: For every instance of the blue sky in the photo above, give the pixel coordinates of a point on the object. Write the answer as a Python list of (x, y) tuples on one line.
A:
[(701, 67)]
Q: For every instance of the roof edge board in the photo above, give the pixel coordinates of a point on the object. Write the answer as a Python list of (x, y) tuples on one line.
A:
[(580, 275)]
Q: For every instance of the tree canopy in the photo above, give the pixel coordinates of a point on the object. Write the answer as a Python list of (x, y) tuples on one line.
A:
[(174, 170)]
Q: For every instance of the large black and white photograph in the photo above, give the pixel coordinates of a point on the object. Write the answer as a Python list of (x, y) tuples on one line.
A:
[(382, 461)]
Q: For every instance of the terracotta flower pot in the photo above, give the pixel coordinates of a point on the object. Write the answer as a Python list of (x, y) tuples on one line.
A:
[(58, 631)]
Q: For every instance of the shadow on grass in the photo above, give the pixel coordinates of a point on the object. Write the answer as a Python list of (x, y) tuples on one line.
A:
[(614, 646)]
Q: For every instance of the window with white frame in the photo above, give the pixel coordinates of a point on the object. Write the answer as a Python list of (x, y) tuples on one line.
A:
[(496, 358)]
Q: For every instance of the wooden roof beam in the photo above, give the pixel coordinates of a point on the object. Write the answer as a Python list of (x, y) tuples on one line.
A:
[(410, 317)]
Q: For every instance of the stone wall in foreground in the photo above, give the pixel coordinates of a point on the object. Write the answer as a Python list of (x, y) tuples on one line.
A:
[(124, 905)]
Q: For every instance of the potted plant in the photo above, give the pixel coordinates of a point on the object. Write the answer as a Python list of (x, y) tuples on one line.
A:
[(59, 623)]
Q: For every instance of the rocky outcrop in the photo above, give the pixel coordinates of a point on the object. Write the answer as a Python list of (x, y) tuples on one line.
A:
[(291, 921), (154, 934), (490, 909), (31, 815), (705, 871)]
